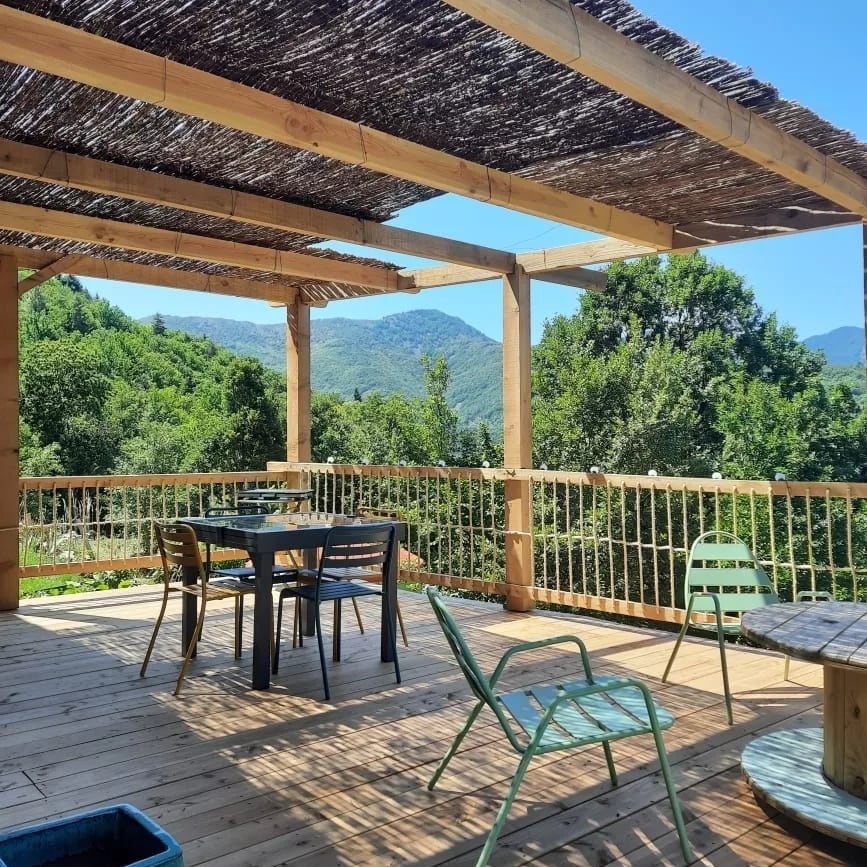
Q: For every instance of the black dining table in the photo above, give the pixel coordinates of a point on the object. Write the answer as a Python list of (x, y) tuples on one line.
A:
[(262, 536)]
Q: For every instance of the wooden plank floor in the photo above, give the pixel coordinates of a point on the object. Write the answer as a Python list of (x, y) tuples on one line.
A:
[(282, 777)]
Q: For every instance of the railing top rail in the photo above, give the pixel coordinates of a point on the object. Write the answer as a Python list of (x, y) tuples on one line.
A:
[(854, 490), (29, 483)]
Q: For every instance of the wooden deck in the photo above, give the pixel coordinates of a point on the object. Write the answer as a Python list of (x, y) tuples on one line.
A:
[(281, 777)]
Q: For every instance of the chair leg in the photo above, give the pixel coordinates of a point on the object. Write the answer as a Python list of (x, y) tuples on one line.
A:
[(609, 760), (786, 668), (275, 654), (676, 648), (725, 670), (239, 624), (402, 627), (392, 640), (455, 744), (157, 625), (685, 847), (322, 654), (504, 809), (192, 645), (338, 626), (358, 616)]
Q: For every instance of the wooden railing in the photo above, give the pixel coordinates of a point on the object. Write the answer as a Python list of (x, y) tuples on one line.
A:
[(70, 524), (609, 543)]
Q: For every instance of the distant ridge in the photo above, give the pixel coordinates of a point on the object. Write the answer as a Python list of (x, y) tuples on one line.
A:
[(842, 346), (376, 355)]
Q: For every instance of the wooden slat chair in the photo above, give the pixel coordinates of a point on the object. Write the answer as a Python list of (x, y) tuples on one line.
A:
[(179, 548), (561, 716), (725, 591), (362, 546)]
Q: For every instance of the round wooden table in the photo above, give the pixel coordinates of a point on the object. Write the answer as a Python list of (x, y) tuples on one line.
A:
[(819, 780)]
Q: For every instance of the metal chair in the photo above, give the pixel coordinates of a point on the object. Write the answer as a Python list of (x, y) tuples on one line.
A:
[(178, 549), (353, 546), (373, 576), (561, 716), (726, 591)]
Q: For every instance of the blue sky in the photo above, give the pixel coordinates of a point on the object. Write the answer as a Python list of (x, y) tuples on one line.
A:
[(813, 280)]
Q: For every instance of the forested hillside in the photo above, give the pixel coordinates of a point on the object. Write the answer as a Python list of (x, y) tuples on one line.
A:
[(361, 356), (101, 393)]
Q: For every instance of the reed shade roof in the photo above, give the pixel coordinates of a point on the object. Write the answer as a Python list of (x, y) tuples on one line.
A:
[(416, 69)]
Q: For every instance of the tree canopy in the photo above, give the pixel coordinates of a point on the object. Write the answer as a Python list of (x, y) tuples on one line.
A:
[(676, 368)]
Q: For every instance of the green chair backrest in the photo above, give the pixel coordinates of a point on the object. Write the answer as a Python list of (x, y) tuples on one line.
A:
[(741, 585), (479, 684)]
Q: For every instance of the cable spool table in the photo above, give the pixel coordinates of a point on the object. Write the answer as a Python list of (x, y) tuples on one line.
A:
[(819, 780)]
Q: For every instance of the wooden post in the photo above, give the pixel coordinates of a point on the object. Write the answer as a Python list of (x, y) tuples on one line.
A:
[(517, 439), (297, 383), (9, 584), (864, 260)]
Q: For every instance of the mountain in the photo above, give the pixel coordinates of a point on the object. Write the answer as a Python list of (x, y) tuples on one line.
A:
[(841, 346), (376, 355)]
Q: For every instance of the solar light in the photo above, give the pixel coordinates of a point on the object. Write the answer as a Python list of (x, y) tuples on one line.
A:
[(595, 469), (441, 463), (652, 473), (365, 461), (543, 466), (779, 477), (486, 464), (330, 459), (716, 475), (402, 463)]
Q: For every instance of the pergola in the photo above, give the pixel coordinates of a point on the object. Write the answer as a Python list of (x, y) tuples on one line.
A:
[(209, 145)]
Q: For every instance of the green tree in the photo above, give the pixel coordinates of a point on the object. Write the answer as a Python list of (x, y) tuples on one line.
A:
[(158, 325), (251, 434), (63, 397), (676, 368)]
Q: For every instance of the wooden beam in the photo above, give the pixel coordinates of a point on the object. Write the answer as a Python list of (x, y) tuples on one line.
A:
[(58, 266), (758, 224), (9, 583), (542, 264), (82, 173), (582, 42), (453, 275), (577, 278), (126, 236), (154, 275), (517, 440), (57, 49), (297, 382), (864, 265)]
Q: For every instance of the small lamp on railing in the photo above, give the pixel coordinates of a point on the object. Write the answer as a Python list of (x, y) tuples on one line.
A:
[(365, 461), (402, 462), (652, 473), (716, 474), (330, 459), (595, 469), (543, 466), (780, 477), (486, 464), (441, 463)]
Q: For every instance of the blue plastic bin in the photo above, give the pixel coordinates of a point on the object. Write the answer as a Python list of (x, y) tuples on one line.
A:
[(118, 836)]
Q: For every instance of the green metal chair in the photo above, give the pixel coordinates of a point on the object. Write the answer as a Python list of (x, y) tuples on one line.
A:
[(562, 716), (726, 591)]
